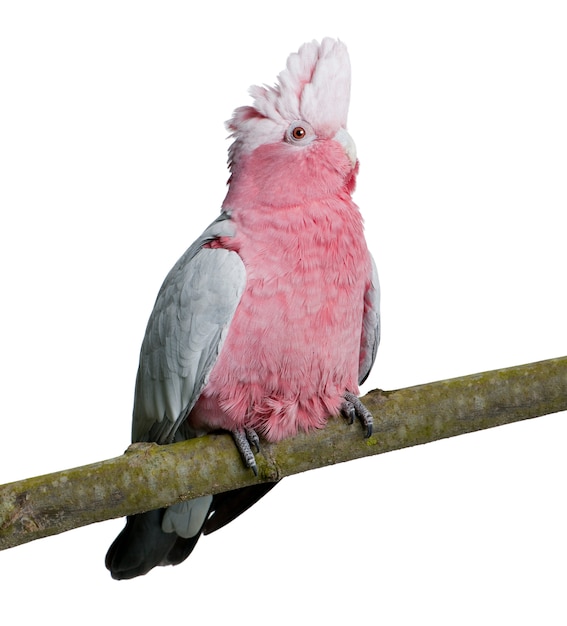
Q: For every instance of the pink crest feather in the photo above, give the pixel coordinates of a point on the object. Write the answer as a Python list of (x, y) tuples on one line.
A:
[(314, 87)]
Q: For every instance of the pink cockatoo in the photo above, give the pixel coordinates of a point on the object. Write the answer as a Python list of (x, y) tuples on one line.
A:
[(269, 322)]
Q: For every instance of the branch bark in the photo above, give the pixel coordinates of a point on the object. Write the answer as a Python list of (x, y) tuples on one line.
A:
[(148, 476)]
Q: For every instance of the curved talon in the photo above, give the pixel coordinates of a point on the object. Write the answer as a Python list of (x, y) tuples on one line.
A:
[(252, 438), (349, 412), (353, 408), (243, 439)]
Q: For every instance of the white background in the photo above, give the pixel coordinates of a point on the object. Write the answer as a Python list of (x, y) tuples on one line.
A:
[(113, 159)]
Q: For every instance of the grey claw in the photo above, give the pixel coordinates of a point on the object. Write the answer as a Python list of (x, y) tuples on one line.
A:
[(243, 439), (253, 438), (352, 407), (351, 413)]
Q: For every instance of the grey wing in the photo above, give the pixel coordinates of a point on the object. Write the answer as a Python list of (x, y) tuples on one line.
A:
[(185, 334), (370, 337)]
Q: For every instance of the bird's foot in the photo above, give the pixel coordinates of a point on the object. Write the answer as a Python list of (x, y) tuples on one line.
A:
[(244, 440), (353, 408)]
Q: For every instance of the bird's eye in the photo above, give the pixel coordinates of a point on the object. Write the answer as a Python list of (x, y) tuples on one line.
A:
[(299, 132)]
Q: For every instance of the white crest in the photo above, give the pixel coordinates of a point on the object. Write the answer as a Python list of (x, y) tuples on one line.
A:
[(314, 87)]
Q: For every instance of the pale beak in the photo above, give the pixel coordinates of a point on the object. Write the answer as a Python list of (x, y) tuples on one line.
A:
[(347, 143)]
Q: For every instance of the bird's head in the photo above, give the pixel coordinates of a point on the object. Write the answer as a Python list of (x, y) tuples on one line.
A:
[(292, 145)]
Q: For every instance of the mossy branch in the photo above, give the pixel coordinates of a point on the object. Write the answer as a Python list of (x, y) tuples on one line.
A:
[(149, 476)]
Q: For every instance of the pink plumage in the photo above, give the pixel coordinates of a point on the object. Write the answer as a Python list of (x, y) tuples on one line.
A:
[(294, 342), (269, 322)]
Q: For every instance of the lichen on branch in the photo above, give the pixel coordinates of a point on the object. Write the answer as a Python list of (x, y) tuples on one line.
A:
[(148, 476)]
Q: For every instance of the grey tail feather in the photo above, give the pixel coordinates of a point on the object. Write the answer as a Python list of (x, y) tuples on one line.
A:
[(143, 545)]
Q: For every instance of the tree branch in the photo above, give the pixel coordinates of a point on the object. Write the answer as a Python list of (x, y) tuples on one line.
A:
[(149, 476)]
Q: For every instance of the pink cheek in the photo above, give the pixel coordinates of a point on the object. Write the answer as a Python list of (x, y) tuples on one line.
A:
[(283, 175), (272, 176)]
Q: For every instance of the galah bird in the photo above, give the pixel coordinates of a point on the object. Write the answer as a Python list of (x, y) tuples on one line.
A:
[(269, 322)]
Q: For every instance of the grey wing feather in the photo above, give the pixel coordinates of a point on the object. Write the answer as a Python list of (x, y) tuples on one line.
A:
[(370, 326), (185, 334)]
